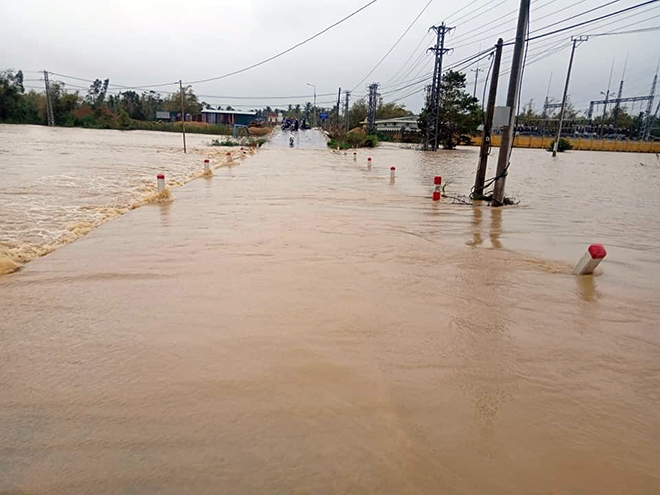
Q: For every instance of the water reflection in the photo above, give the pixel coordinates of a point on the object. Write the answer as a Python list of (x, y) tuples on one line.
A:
[(495, 227), (477, 214)]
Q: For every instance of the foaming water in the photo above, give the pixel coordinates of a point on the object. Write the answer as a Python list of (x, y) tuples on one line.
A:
[(302, 324), (62, 183)]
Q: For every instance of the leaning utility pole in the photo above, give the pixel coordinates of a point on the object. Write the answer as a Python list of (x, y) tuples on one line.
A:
[(576, 41), (347, 96), (511, 101), (183, 117), (338, 104), (488, 123), (49, 102), (476, 78), (372, 105), (433, 105), (615, 113)]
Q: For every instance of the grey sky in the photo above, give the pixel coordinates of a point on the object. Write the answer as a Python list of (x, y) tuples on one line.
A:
[(146, 42)]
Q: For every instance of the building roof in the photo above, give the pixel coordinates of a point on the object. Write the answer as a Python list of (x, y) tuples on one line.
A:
[(400, 120), (228, 112)]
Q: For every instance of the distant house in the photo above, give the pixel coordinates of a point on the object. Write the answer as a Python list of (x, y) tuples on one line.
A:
[(272, 118), (398, 124), (227, 117), (162, 116)]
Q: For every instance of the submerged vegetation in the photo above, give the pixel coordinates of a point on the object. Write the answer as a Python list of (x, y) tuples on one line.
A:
[(564, 145), (355, 138)]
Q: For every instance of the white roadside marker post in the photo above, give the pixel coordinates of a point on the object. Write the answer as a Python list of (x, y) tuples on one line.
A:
[(590, 260)]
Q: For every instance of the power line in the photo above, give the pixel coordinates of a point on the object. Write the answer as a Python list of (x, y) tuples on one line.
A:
[(269, 59), (591, 21), (394, 45), (478, 8)]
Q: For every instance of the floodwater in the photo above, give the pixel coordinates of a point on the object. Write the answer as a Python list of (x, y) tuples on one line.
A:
[(58, 184), (299, 323)]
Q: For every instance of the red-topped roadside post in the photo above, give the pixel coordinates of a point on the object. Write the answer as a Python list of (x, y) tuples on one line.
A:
[(590, 260)]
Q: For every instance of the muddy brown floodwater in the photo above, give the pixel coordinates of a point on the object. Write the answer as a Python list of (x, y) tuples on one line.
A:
[(299, 324)]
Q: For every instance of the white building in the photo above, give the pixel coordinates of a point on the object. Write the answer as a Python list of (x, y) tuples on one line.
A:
[(398, 124)]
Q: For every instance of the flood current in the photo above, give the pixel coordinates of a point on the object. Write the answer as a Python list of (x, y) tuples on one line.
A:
[(299, 323)]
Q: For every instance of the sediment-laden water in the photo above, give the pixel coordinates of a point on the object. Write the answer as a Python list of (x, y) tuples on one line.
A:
[(299, 323)]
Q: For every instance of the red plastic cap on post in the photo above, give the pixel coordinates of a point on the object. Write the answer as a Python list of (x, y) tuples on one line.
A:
[(392, 168), (436, 195), (437, 180), (597, 251), (160, 176), (206, 161), (368, 158)]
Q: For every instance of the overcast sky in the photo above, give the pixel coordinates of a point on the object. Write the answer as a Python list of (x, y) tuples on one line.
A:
[(147, 42)]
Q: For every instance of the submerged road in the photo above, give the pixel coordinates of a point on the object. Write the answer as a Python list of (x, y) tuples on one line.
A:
[(298, 324)]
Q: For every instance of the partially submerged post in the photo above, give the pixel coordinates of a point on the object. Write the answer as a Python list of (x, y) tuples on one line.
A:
[(437, 188), (488, 123), (590, 260), (160, 179), (183, 117)]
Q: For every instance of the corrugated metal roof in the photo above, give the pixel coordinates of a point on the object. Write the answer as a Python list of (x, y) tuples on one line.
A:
[(227, 112)]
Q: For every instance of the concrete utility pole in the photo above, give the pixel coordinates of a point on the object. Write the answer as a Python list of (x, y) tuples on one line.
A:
[(476, 78), (433, 104), (615, 113), (511, 101), (347, 96), (576, 41), (372, 105), (49, 102), (488, 123), (183, 117), (338, 104), (313, 86)]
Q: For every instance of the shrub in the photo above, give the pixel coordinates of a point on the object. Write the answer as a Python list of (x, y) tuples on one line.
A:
[(564, 144)]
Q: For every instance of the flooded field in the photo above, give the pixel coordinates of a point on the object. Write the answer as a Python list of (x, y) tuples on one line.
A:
[(298, 323), (58, 184)]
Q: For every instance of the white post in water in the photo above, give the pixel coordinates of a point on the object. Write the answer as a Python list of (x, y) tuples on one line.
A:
[(228, 154), (207, 165), (161, 182), (355, 156), (392, 172), (591, 259)]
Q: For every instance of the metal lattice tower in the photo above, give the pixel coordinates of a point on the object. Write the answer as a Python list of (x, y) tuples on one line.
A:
[(372, 106), (49, 101), (433, 102), (646, 129)]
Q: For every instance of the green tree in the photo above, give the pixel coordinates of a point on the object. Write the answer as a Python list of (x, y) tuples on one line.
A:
[(190, 102), (459, 115), (150, 103), (357, 113), (96, 93), (12, 108), (124, 121), (63, 103), (391, 111)]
